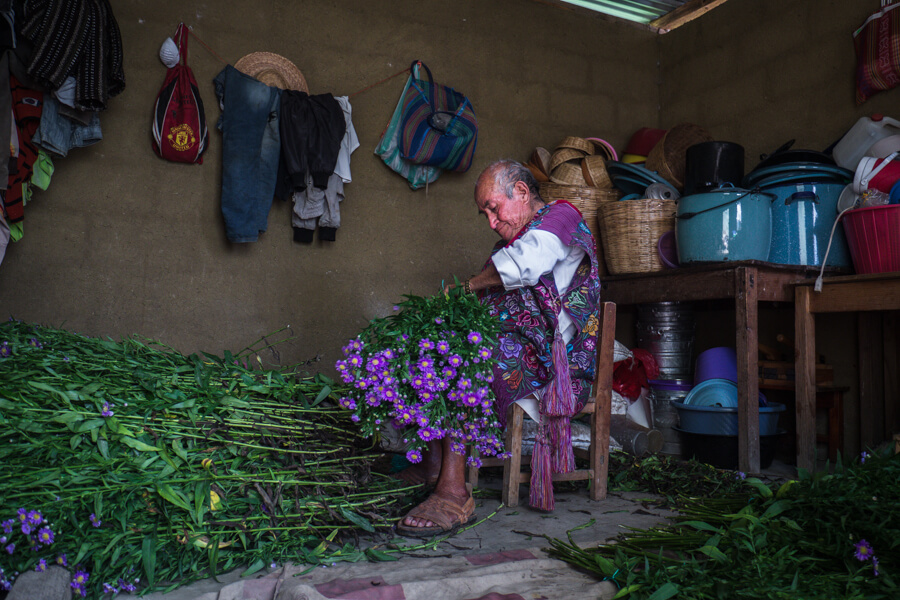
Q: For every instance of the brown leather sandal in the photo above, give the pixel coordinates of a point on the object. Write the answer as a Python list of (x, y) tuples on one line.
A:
[(447, 514)]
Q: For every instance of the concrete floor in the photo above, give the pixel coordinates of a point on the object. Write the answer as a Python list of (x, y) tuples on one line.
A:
[(509, 530)]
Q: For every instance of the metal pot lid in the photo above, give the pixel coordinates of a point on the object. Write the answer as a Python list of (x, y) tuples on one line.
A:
[(797, 169)]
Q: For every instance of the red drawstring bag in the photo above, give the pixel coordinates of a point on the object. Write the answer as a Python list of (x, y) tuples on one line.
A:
[(179, 123), (877, 45)]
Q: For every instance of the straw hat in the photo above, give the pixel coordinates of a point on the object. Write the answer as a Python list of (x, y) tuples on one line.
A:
[(577, 143), (562, 155), (594, 170), (568, 173), (272, 69)]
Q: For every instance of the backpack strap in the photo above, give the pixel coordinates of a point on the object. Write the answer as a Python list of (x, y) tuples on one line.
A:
[(181, 38)]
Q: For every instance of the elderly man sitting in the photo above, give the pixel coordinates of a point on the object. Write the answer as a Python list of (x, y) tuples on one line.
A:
[(542, 284)]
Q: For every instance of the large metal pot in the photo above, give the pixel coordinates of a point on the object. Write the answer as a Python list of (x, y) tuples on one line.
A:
[(803, 216), (722, 225)]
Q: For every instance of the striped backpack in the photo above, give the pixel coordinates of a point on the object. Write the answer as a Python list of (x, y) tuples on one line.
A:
[(179, 123), (438, 127)]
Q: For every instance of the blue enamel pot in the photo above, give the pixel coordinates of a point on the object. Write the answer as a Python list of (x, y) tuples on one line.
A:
[(803, 217), (725, 224)]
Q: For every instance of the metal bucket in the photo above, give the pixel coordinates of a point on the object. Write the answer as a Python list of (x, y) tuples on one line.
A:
[(665, 415), (666, 330)]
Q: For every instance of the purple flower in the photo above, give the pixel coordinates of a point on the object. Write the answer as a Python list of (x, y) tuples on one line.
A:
[(347, 403), (474, 461), (863, 550), (354, 418), (62, 560), (443, 347), (454, 360), (81, 578), (108, 588), (414, 456), (5, 350), (389, 354), (11, 548), (95, 521), (438, 320), (45, 536), (34, 343), (458, 447), (484, 353), (425, 364), (875, 565), (741, 475), (427, 434), (127, 587), (106, 412), (426, 344), (7, 526), (474, 337), (464, 383), (396, 307), (863, 457), (422, 421), (65, 358), (23, 515), (26, 528), (5, 585), (35, 517), (41, 566)]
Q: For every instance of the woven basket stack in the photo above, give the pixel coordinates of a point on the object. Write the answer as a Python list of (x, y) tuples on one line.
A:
[(576, 172), (630, 231)]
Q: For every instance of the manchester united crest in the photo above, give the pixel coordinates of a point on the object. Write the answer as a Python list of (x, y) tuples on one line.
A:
[(181, 137)]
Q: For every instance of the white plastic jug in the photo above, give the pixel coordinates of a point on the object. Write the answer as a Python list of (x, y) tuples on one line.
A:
[(865, 132)]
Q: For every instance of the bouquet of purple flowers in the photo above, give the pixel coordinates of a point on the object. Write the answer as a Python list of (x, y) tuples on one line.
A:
[(426, 370)]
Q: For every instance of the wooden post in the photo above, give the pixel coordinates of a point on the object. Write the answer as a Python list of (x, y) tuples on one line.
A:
[(805, 378), (746, 323)]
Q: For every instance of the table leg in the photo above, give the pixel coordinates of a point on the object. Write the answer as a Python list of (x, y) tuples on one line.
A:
[(747, 346), (805, 378)]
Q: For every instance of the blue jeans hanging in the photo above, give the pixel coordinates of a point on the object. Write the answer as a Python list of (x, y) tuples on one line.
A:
[(251, 145)]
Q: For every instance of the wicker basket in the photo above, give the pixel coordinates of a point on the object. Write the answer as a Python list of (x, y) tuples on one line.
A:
[(630, 231), (587, 200), (668, 156)]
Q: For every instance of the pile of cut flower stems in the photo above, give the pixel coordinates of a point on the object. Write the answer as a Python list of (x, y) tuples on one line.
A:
[(154, 466), (830, 534)]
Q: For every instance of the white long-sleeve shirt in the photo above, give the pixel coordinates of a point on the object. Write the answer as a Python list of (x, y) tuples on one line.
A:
[(537, 252), (522, 264)]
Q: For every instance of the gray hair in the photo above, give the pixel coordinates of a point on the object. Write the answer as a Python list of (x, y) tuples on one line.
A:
[(507, 173)]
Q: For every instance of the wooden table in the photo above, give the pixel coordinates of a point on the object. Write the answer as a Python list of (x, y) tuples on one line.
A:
[(748, 283), (853, 293)]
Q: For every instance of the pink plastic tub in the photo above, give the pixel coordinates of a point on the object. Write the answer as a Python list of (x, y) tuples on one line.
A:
[(873, 235)]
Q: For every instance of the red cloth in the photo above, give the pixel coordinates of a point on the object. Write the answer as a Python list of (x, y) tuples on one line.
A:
[(632, 374)]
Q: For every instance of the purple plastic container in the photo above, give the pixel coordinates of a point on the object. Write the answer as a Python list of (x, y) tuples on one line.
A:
[(719, 363)]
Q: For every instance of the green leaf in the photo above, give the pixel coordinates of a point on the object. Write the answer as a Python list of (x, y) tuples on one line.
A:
[(379, 556), (103, 447), (665, 592), (173, 496), (714, 553), (701, 526), (253, 568), (67, 417), (82, 426), (138, 444), (179, 450), (148, 555), (356, 519)]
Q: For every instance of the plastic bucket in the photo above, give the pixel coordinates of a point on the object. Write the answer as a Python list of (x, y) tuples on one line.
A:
[(722, 420), (874, 174), (873, 234)]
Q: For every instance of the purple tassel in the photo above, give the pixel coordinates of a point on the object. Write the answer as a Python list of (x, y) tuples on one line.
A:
[(562, 456), (541, 486)]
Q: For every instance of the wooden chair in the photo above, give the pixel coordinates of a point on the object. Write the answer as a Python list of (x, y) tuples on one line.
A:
[(599, 407)]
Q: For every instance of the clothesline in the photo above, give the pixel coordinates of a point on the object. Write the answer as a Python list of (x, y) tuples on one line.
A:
[(356, 93)]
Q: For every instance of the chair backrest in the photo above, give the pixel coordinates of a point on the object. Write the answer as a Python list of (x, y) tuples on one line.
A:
[(606, 342)]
